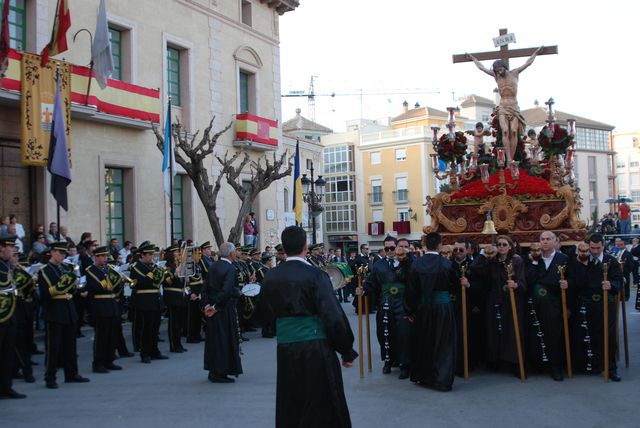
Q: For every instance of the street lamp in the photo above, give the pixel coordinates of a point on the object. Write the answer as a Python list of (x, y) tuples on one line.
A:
[(312, 193)]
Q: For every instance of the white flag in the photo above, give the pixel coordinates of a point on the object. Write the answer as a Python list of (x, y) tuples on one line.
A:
[(101, 49)]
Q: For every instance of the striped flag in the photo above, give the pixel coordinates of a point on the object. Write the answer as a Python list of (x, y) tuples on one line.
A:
[(168, 159), (61, 24), (297, 186), (58, 161)]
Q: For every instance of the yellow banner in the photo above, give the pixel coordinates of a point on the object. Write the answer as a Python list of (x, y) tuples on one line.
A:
[(38, 91)]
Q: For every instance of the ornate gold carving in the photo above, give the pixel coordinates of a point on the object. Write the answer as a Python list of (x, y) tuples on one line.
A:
[(506, 210), (434, 208), (571, 210)]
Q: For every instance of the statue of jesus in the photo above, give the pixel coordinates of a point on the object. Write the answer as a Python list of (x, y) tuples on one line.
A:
[(509, 116)]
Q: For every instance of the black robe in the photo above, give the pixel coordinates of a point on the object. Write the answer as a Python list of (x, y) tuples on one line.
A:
[(222, 338), (310, 391), (434, 333)]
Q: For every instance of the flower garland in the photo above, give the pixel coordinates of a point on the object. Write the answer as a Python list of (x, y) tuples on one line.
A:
[(527, 184), (556, 143), (448, 150)]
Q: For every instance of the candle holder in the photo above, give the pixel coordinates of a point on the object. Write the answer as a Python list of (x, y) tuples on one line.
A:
[(502, 184)]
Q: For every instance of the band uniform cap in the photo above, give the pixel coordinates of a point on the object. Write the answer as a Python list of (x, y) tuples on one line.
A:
[(172, 248), (60, 246), (147, 247), (206, 245), (265, 258), (101, 251), (8, 240), (314, 246), (245, 249), (279, 247), (24, 261), (134, 250), (254, 251)]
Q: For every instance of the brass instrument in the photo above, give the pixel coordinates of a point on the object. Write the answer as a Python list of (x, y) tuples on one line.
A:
[(159, 274), (115, 274), (7, 302), (73, 269), (187, 266)]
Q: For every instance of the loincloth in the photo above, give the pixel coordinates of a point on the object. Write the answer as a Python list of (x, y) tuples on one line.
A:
[(510, 113)]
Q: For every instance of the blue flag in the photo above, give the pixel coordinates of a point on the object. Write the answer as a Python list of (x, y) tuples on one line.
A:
[(58, 161), (168, 160)]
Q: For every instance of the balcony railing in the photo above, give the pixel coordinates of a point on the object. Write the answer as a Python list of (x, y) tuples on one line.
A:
[(255, 132), (401, 196), (375, 198)]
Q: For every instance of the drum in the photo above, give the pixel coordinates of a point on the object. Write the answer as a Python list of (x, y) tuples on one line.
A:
[(339, 274), (251, 289)]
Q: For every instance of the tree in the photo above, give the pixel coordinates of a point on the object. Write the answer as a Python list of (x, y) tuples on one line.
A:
[(191, 156)]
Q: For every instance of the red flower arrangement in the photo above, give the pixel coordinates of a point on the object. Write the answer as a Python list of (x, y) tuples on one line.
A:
[(448, 150), (556, 143), (527, 184)]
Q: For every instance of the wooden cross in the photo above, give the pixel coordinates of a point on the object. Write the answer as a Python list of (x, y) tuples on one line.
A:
[(505, 53)]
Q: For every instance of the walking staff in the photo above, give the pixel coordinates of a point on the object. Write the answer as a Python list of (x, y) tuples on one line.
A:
[(359, 293), (565, 319), (465, 337), (605, 299), (516, 326)]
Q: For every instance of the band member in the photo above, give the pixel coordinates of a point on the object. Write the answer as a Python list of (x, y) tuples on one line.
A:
[(587, 279), (268, 325), (56, 282), (195, 317), (280, 255), (7, 320), (24, 316), (388, 280), (500, 344), (118, 283), (431, 283), (316, 258), (544, 304), (311, 327), (219, 296), (105, 311), (246, 304), (149, 304), (625, 259), (173, 289)]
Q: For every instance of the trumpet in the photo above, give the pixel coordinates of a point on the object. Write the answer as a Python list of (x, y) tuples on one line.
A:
[(74, 269), (116, 275)]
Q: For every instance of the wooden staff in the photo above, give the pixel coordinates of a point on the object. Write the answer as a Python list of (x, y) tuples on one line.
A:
[(465, 337), (360, 321), (516, 326), (605, 298), (565, 320), (623, 299)]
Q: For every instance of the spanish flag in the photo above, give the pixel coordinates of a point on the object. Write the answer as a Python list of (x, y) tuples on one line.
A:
[(297, 187), (61, 24)]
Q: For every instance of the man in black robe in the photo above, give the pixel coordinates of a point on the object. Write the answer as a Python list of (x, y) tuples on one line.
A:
[(544, 305), (587, 280), (222, 335), (428, 301), (311, 327)]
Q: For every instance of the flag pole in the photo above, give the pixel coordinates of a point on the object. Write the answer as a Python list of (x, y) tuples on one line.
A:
[(170, 177), (57, 203)]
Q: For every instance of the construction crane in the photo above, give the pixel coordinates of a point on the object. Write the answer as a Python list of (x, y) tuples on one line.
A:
[(311, 95)]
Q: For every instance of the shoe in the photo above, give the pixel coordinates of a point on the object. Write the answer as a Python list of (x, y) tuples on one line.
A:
[(556, 374), (195, 340), (76, 379), (79, 335), (112, 367), (183, 349), (404, 373), (220, 379), (441, 388), (100, 369), (347, 301), (12, 394), (244, 339), (52, 384), (29, 379), (250, 329), (127, 354), (37, 352), (34, 363), (387, 368), (177, 351), (613, 375), (145, 360), (160, 339), (159, 357)]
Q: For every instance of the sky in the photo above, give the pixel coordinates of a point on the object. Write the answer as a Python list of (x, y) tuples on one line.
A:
[(397, 50)]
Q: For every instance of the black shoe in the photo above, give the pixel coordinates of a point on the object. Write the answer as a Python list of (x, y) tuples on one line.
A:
[(79, 335), (145, 360), (182, 349), (12, 394), (250, 329), (441, 388), (76, 379), (127, 354), (220, 379), (195, 340), (347, 301), (112, 367), (387, 368), (33, 363), (177, 351), (29, 378), (100, 369), (613, 375), (556, 374), (404, 373), (159, 357), (52, 384), (37, 352), (244, 339), (160, 339)]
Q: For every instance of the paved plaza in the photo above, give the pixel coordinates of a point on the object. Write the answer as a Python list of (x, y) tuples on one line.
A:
[(176, 393)]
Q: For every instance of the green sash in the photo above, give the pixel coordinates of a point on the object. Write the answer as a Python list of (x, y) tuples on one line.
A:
[(393, 289), (299, 329)]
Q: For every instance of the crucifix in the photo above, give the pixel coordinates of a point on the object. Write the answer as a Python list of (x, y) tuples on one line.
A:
[(509, 117)]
